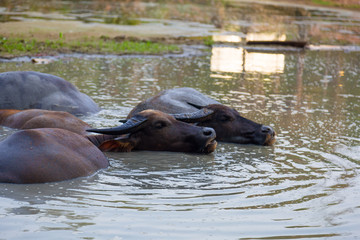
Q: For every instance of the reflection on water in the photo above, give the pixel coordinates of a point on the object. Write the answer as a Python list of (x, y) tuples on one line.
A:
[(227, 59), (265, 63), (237, 60)]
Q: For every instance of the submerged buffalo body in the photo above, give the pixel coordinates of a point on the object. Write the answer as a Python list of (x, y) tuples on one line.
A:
[(48, 155), (42, 153), (227, 122), (28, 90), (38, 118)]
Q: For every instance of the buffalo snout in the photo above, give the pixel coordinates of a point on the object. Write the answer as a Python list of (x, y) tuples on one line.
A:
[(209, 132), (209, 135), (269, 135), (267, 129)]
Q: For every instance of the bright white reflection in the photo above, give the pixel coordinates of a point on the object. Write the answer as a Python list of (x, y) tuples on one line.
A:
[(237, 60), (264, 62), (227, 59), (226, 38), (265, 37)]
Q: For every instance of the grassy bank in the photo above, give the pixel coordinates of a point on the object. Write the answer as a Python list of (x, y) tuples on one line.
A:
[(12, 47), (338, 3)]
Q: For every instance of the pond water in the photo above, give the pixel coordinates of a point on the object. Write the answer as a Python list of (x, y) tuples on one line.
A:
[(305, 186)]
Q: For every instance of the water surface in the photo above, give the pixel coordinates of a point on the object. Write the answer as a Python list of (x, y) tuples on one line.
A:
[(305, 186)]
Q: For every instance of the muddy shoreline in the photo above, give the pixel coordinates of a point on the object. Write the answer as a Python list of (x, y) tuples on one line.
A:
[(176, 29)]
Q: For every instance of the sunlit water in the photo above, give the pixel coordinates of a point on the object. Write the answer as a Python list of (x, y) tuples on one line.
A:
[(305, 186)]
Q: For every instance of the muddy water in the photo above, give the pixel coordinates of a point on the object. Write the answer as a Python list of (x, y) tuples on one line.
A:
[(306, 186)]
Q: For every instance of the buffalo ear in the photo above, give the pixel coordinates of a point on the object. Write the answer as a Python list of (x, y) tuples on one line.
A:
[(117, 145)]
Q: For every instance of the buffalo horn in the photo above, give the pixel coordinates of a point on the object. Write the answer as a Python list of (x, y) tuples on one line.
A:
[(198, 116), (195, 105), (129, 126)]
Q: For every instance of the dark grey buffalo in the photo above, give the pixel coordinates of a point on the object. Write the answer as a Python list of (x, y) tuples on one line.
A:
[(227, 122), (28, 90)]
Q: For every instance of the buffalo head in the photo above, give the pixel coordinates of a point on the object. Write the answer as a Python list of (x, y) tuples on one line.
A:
[(157, 131), (231, 127)]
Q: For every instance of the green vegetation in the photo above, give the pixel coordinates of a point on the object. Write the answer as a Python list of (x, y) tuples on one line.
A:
[(332, 3), (208, 41), (122, 21), (10, 47)]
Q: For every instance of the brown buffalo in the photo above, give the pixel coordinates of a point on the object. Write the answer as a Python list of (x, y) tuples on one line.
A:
[(55, 154), (173, 135), (38, 118), (48, 155), (156, 131), (228, 124)]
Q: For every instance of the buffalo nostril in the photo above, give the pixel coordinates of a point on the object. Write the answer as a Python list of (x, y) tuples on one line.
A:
[(267, 129), (208, 132)]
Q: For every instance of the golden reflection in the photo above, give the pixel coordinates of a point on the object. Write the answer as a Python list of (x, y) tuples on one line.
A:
[(227, 59), (264, 62), (237, 60), (221, 76)]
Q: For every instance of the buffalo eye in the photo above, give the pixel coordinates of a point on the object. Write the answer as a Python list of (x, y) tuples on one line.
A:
[(225, 118), (159, 125)]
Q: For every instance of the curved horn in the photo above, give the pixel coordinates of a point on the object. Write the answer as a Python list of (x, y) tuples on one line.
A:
[(129, 126), (195, 105), (198, 116)]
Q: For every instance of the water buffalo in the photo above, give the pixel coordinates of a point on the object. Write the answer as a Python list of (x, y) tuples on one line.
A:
[(227, 122), (138, 133), (156, 131), (48, 155), (42, 154), (28, 90)]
